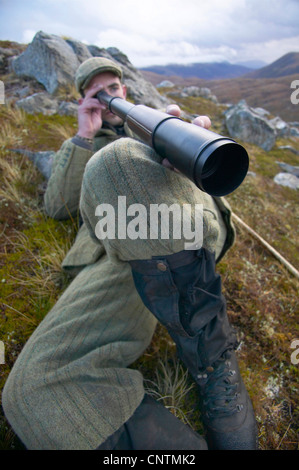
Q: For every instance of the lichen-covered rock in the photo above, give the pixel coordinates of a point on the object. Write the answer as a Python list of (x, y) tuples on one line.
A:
[(287, 179), (50, 60), (243, 123), (39, 103)]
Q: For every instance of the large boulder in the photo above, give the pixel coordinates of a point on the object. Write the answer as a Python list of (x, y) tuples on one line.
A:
[(165, 84), (196, 91), (287, 179), (39, 103), (50, 60), (244, 123), (80, 49), (46, 104), (53, 62)]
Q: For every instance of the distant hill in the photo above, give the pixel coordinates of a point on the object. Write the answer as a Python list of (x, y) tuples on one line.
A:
[(272, 94), (286, 65), (267, 87), (208, 71), (253, 64)]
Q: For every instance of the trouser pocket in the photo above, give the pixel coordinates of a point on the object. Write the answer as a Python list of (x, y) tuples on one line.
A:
[(187, 300)]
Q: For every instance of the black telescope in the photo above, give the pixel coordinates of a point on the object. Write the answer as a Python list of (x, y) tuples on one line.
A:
[(216, 164)]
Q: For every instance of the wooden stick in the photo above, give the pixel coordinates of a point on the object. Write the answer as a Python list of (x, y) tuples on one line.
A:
[(277, 255)]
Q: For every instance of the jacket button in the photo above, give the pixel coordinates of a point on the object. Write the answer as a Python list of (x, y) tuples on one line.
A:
[(161, 267)]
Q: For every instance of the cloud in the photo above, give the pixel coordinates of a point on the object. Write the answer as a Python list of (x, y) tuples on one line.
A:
[(159, 32), (157, 52), (163, 31)]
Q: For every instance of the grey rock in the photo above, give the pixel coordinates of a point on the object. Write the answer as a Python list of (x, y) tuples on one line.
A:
[(261, 111), (282, 128), (81, 50), (139, 89), (49, 59), (294, 170), (243, 123), (287, 179), (251, 173), (39, 103), (46, 104), (23, 92), (98, 51), (294, 132), (199, 92), (6, 55), (67, 108), (42, 160), (165, 84), (143, 92), (119, 56), (290, 148)]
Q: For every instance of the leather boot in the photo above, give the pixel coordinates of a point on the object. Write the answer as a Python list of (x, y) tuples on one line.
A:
[(184, 292), (227, 412), (153, 427)]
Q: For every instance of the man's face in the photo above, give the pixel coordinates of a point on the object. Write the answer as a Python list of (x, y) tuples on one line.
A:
[(110, 83)]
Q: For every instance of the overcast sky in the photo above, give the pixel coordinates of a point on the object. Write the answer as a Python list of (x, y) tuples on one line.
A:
[(154, 32)]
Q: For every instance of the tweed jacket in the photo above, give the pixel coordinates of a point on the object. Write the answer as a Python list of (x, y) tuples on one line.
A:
[(62, 197)]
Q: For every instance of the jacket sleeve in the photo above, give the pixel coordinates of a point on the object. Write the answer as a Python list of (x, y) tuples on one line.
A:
[(64, 186)]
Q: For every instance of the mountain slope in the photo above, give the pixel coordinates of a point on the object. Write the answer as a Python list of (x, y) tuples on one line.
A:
[(286, 65), (208, 71), (272, 94)]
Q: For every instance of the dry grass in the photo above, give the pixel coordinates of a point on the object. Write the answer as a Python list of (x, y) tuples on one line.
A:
[(68, 93), (171, 386), (14, 115), (8, 137), (62, 131)]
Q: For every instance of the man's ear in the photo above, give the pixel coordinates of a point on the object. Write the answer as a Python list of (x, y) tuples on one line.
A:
[(124, 91)]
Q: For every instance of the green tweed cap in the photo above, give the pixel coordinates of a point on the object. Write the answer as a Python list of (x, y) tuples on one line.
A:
[(93, 66)]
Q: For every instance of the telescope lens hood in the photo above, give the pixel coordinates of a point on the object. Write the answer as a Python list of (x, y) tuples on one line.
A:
[(216, 164), (221, 167)]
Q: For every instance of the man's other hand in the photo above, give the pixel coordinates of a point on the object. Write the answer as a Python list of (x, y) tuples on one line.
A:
[(201, 121)]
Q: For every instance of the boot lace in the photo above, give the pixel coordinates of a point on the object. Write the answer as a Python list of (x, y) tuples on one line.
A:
[(219, 394)]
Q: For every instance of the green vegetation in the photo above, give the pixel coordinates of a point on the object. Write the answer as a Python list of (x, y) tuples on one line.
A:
[(262, 295)]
